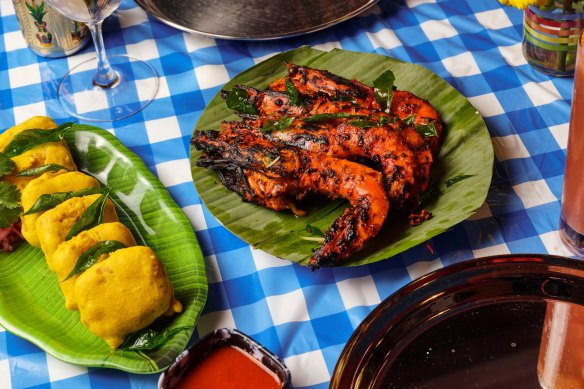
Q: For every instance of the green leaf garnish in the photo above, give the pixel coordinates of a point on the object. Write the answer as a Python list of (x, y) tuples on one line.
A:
[(6, 164), (90, 257), (321, 117), (456, 179), (426, 130), (385, 120), (383, 90), (432, 193), (277, 125), (150, 339), (410, 120), (92, 216), (238, 100), (28, 139), (292, 92), (314, 230), (361, 123), (51, 200), (9, 204), (41, 169)]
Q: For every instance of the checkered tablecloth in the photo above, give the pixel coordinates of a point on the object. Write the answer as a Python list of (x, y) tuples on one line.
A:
[(305, 317)]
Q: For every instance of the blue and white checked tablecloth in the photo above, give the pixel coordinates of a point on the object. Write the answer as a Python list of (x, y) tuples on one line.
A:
[(304, 317)]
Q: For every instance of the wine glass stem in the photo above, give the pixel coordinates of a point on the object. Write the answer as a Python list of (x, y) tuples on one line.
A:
[(105, 76)]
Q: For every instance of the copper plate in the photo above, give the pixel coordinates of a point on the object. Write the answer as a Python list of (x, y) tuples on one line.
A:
[(475, 324), (253, 19)]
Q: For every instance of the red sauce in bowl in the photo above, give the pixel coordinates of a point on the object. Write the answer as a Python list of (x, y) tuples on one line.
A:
[(229, 367)]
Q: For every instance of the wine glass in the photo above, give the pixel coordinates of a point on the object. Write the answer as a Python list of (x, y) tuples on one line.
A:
[(103, 89)]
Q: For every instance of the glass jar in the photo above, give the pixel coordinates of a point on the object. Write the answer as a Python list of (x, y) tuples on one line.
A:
[(47, 32), (550, 36)]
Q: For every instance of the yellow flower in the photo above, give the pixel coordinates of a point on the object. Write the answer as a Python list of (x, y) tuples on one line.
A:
[(522, 4)]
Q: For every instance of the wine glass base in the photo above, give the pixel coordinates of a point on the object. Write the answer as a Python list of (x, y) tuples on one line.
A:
[(81, 98)]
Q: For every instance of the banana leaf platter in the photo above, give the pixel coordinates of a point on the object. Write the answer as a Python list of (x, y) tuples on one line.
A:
[(31, 303), (466, 152)]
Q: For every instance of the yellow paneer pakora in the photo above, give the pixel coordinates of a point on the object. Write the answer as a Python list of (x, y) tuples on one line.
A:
[(66, 255), (54, 225), (124, 293), (47, 153), (46, 184)]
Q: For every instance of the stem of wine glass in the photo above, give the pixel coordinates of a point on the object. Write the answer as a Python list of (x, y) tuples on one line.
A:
[(105, 76)]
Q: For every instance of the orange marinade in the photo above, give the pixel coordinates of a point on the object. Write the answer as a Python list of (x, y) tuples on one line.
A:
[(229, 368)]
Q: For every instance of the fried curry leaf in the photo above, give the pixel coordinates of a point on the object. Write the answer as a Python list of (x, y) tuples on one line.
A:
[(28, 139), (362, 123), (410, 120), (41, 169), (6, 164), (431, 194), (322, 117), (9, 204), (277, 125), (385, 120), (383, 90), (292, 92), (51, 200), (90, 257), (150, 339), (426, 130), (92, 216), (314, 230), (456, 179), (238, 100)]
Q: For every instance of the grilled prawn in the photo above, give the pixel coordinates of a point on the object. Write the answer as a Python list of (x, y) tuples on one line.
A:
[(384, 146), (311, 173), (314, 83)]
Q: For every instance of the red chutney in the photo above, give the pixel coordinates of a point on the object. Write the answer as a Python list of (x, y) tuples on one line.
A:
[(229, 367)]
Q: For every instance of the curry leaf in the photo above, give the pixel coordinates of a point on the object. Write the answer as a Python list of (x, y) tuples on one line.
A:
[(292, 92), (6, 164), (28, 139), (426, 130), (410, 120), (150, 339), (383, 90), (92, 216), (277, 125), (321, 117), (90, 257), (385, 120), (456, 179), (41, 169), (362, 123), (51, 200), (314, 230), (238, 100), (431, 194)]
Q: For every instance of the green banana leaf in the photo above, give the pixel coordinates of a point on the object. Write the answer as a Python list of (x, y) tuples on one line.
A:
[(466, 151), (31, 303)]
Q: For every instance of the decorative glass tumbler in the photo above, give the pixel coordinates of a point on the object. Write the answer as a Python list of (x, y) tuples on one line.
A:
[(572, 214), (550, 36), (47, 32)]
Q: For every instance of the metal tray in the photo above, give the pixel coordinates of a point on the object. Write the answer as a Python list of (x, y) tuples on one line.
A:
[(253, 19), (475, 324)]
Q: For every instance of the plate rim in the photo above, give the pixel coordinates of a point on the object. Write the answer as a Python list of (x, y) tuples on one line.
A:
[(394, 306)]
